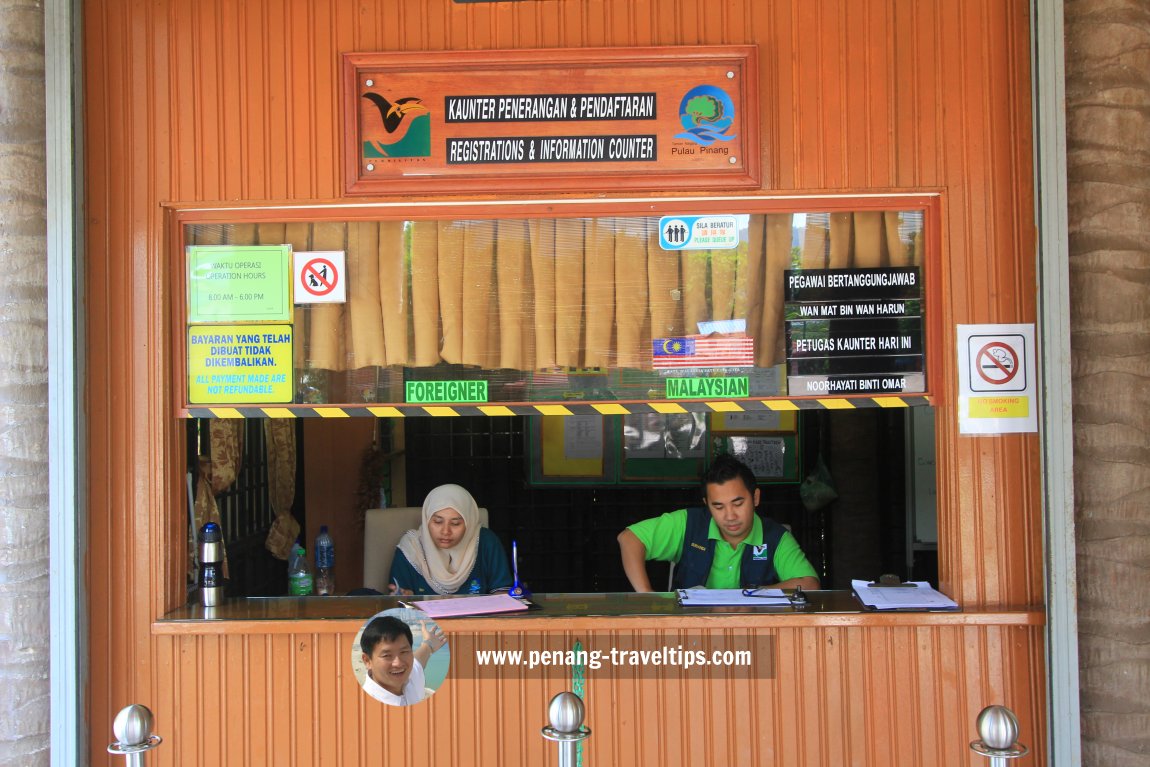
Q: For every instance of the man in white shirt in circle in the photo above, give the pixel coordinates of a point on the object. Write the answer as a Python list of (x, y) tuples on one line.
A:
[(394, 670)]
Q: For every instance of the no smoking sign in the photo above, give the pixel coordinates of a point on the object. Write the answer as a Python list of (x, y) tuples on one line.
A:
[(996, 363), (997, 391), (320, 277)]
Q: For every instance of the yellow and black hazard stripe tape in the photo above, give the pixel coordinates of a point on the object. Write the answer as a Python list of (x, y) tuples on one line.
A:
[(567, 408)]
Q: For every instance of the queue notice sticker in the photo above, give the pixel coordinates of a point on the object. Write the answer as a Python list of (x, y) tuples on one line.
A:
[(997, 392), (232, 364), (444, 392)]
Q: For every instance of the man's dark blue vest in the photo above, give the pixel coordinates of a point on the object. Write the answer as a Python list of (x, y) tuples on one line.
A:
[(699, 551)]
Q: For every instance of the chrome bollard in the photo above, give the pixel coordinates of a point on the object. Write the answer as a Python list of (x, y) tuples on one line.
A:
[(566, 714), (998, 729), (133, 730)]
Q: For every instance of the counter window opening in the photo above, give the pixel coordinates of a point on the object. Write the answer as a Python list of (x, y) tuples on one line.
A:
[(732, 344)]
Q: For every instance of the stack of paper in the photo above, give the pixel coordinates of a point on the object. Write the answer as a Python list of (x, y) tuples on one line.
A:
[(476, 605), (728, 597), (913, 595)]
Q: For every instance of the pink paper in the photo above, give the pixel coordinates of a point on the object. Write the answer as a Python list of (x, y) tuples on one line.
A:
[(477, 605)]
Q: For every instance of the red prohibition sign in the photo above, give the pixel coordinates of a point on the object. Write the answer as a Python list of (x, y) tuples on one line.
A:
[(316, 280), (997, 363)]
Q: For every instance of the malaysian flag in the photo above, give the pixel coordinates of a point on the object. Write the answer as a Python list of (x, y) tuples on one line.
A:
[(703, 352)]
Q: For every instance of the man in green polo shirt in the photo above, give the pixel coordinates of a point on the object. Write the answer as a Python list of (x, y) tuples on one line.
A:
[(725, 545)]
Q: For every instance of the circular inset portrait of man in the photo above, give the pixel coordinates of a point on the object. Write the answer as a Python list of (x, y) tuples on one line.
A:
[(400, 657)]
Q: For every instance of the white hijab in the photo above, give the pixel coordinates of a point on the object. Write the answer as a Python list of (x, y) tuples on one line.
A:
[(444, 569)]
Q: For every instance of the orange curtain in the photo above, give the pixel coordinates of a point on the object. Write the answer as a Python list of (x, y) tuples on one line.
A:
[(569, 292), (219, 470), (478, 292), (364, 311), (558, 293), (542, 250), (599, 281), (425, 292), (280, 444), (632, 315), (515, 343)]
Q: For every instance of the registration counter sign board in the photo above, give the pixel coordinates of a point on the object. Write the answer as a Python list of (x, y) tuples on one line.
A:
[(635, 118), (233, 364)]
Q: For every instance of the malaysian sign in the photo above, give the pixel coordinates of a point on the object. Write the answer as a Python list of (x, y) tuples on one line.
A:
[(635, 118)]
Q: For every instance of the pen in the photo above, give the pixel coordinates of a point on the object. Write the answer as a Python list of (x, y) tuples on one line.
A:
[(516, 588), (398, 590)]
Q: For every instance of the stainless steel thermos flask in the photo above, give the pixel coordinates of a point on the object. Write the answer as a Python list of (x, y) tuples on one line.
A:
[(211, 565)]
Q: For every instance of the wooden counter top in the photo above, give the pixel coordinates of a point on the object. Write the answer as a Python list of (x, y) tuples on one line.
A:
[(563, 612)]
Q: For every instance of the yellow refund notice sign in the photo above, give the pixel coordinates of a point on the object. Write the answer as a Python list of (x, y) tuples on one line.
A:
[(239, 363), (999, 407)]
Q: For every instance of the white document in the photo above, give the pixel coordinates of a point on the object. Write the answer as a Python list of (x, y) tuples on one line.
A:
[(728, 597), (582, 437), (918, 596), (468, 605)]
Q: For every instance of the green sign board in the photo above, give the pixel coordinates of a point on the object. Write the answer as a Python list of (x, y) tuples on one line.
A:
[(239, 283), (229, 364), (427, 392), (718, 387)]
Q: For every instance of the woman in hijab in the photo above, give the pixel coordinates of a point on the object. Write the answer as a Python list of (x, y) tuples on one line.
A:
[(449, 553)]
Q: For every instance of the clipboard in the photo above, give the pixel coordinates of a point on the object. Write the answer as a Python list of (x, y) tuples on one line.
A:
[(732, 598), (892, 581), (888, 598)]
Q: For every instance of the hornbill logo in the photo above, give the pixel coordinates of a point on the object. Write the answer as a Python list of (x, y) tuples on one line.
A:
[(393, 114)]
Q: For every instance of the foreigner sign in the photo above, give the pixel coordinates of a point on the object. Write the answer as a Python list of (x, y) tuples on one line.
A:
[(430, 392)]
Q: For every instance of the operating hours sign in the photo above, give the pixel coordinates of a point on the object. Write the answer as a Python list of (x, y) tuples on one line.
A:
[(997, 389), (320, 277)]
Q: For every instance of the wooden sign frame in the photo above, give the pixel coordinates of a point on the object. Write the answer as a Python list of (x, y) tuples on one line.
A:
[(681, 118)]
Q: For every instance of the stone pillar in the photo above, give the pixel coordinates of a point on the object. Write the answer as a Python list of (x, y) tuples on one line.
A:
[(1108, 206), (24, 606)]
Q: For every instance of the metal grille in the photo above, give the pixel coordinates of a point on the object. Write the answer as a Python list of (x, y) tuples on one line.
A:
[(246, 514)]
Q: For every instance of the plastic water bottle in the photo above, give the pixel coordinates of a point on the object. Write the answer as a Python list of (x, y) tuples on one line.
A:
[(299, 576), (324, 563)]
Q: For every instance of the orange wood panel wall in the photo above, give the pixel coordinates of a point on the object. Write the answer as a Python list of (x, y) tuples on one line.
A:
[(331, 494), (223, 100), (881, 695)]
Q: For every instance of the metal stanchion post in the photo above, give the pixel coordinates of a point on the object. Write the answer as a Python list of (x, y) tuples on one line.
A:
[(566, 714), (133, 730), (998, 730)]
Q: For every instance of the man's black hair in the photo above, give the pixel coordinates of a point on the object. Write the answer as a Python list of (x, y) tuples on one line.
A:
[(726, 467), (385, 628)]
